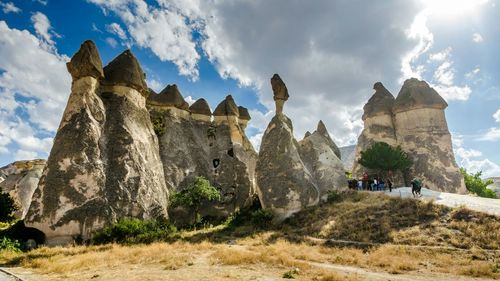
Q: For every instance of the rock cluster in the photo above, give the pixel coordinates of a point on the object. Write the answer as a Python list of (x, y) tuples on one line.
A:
[(415, 120), (105, 163), (20, 180), (193, 142), (292, 175)]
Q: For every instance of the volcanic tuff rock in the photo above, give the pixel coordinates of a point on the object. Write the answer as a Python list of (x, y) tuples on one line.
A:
[(378, 127), (20, 179), (292, 175), (104, 164), (422, 131), (322, 158), (415, 120), (194, 145)]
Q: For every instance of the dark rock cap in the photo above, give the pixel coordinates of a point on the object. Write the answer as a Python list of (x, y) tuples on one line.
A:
[(380, 103), (321, 129), (200, 107), (279, 88), (126, 70), (86, 62), (170, 96), (418, 94), (307, 134), (227, 107), (244, 113)]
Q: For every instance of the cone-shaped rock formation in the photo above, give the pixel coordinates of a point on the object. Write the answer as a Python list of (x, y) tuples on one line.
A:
[(104, 164)]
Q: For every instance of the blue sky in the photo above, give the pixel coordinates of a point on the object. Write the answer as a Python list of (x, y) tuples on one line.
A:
[(329, 53)]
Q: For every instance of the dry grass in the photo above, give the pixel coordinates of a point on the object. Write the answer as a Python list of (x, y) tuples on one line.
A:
[(378, 218), (359, 216)]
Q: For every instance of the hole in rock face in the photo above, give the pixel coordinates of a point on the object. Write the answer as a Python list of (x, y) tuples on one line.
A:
[(216, 163), (230, 152)]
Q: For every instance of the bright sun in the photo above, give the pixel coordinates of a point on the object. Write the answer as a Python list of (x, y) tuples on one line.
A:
[(450, 9)]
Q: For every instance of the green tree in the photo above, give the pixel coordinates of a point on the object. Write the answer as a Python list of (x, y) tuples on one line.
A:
[(382, 158), (476, 185), (193, 196), (7, 207)]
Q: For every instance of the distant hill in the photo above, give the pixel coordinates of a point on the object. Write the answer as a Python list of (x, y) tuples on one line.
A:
[(348, 154)]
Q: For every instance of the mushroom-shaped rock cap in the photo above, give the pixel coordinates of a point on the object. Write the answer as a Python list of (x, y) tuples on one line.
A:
[(380, 103), (170, 96), (200, 107), (125, 70), (86, 62), (418, 94), (227, 107), (244, 113), (279, 88)]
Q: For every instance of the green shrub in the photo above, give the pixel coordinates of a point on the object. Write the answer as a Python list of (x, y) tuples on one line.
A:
[(7, 207), (476, 185), (193, 196), (333, 196), (158, 126), (9, 244), (133, 231), (262, 218), (290, 274)]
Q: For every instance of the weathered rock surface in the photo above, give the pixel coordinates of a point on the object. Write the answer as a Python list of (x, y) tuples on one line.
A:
[(104, 164), (292, 175), (378, 127), (195, 145), (495, 186), (322, 158), (348, 155), (422, 131), (285, 184), (415, 120), (20, 180)]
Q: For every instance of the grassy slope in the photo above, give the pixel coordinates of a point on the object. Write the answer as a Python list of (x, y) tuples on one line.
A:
[(241, 250)]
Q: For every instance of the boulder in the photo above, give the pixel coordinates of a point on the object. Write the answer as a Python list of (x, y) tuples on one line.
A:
[(20, 180)]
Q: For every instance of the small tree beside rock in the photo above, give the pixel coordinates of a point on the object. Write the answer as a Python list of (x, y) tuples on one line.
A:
[(193, 196)]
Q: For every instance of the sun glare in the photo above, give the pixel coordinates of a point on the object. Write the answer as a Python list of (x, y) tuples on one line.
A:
[(450, 9)]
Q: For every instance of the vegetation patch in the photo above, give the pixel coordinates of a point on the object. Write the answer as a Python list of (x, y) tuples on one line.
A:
[(133, 231)]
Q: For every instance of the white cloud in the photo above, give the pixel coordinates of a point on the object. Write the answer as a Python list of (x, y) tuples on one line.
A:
[(256, 140), (166, 32), (111, 42), (25, 155), (189, 100), (43, 2), (496, 116), (453, 92), (472, 74), (444, 74), (33, 82), (154, 84), (440, 56), (471, 160), (9, 7), (42, 27), (477, 38), (115, 28), (493, 134)]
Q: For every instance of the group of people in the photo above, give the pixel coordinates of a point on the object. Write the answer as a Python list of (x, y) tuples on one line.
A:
[(372, 184)]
